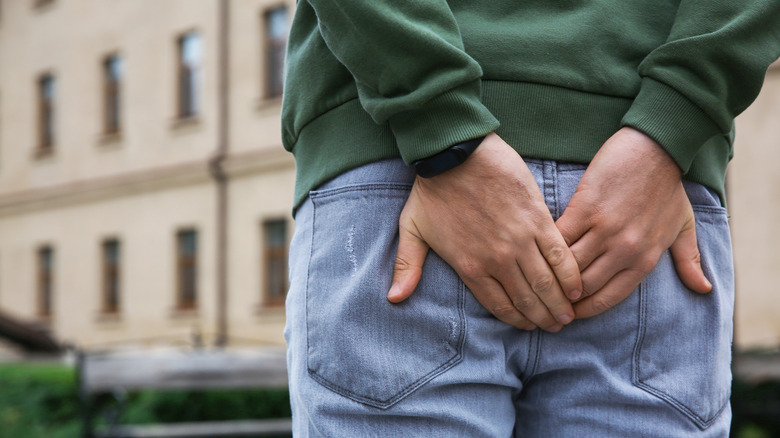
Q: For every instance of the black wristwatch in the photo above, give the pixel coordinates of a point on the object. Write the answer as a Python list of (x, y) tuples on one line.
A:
[(447, 159)]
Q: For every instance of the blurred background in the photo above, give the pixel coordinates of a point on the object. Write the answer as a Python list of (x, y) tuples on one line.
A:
[(145, 200)]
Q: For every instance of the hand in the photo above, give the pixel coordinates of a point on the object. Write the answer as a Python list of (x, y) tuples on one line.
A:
[(488, 220), (629, 207)]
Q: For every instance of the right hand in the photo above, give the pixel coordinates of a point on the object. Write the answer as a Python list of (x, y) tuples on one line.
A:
[(487, 219)]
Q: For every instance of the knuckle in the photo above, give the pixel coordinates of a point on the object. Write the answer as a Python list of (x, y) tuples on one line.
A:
[(503, 311), (401, 264), (587, 289), (555, 255), (633, 243), (602, 304), (469, 269), (523, 302), (543, 284), (646, 264), (501, 254)]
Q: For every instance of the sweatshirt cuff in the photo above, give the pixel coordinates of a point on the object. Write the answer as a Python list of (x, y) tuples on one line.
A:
[(450, 118), (669, 118)]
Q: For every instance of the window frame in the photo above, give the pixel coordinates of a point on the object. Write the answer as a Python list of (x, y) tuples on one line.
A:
[(188, 81), (112, 95), (45, 281), (111, 281), (273, 69), (47, 107), (184, 261)]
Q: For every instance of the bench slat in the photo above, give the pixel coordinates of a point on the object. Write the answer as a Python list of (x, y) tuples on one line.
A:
[(185, 370)]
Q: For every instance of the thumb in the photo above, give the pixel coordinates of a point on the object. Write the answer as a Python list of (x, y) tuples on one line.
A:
[(687, 260), (408, 265)]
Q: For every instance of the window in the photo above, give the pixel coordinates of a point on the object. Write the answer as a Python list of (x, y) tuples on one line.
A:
[(45, 280), (111, 276), (46, 113), (112, 80), (187, 269), (275, 25), (190, 54), (275, 259)]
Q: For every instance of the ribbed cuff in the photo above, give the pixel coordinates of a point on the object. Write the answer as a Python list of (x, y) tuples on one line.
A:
[(669, 118), (453, 117)]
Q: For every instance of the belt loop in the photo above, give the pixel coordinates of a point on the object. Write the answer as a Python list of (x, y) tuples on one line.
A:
[(550, 178)]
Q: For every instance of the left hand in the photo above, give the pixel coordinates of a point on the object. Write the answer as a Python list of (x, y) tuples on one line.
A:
[(629, 207)]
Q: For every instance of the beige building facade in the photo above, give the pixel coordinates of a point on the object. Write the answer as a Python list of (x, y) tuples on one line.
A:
[(753, 186), (93, 224), (145, 194)]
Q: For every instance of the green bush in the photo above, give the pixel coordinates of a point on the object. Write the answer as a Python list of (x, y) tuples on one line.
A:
[(38, 401), (756, 409), (215, 405), (41, 401)]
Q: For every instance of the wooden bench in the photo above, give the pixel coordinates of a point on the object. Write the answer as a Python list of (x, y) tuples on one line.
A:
[(120, 372)]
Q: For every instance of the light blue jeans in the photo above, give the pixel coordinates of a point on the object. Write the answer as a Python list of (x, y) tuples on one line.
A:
[(439, 365)]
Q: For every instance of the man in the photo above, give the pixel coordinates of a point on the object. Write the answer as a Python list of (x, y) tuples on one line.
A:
[(550, 153)]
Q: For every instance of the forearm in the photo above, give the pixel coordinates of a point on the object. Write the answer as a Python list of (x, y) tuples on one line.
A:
[(709, 70), (410, 69)]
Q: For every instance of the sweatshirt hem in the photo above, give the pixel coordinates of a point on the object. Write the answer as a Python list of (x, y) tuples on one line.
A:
[(538, 120)]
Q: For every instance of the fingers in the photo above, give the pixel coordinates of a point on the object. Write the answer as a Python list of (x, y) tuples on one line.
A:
[(408, 264), (616, 290), (573, 223), (492, 296), (587, 249), (687, 260), (550, 314), (539, 295), (564, 266), (598, 273)]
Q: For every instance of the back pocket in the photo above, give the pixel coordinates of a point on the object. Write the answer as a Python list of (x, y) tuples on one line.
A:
[(360, 345), (683, 351)]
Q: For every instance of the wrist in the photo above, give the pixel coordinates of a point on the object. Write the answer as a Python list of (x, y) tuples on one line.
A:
[(653, 153), (447, 159)]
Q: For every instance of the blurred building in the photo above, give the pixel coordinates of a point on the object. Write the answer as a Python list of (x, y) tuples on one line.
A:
[(144, 191), (753, 186), (145, 194)]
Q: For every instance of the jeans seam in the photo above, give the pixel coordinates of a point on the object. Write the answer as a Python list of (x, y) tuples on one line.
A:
[(308, 277), (315, 194), (413, 386), (386, 404), (635, 378), (532, 363)]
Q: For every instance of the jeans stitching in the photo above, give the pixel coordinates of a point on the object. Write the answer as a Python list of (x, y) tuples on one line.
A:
[(454, 360), (308, 277), (385, 404), (527, 366), (317, 194), (635, 374)]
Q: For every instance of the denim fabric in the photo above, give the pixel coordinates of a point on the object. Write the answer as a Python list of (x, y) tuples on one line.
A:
[(438, 364)]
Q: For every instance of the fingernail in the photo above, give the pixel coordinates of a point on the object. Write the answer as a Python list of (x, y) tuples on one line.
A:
[(709, 285), (565, 318), (555, 328), (394, 291), (573, 295)]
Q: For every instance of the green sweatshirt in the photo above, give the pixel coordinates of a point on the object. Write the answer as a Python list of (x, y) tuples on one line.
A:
[(374, 79)]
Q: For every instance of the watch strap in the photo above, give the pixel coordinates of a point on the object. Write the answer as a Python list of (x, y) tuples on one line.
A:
[(447, 159)]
